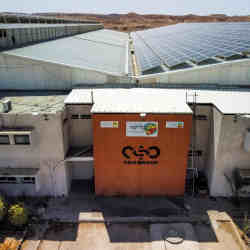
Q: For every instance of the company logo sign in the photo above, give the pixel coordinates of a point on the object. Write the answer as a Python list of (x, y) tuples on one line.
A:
[(141, 155), (142, 129)]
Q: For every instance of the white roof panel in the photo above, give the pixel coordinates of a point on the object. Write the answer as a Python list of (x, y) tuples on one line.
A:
[(227, 102), (146, 100), (75, 51), (138, 100), (106, 36), (79, 96)]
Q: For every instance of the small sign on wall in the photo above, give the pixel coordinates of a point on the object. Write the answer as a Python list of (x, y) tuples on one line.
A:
[(109, 124), (142, 129), (174, 124)]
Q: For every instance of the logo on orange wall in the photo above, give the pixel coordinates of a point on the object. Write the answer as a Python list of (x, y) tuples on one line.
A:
[(150, 128), (141, 155)]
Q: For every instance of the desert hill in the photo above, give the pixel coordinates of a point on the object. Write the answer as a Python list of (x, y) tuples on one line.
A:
[(133, 21)]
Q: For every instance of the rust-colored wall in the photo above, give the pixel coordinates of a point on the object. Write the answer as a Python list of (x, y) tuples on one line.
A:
[(114, 177)]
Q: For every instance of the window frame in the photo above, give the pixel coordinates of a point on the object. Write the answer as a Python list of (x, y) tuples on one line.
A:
[(81, 117), (12, 134), (19, 135), (19, 179), (8, 140)]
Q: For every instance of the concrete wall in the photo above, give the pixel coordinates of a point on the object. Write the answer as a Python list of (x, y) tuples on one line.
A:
[(27, 74), (24, 73), (46, 151), (231, 72), (80, 130), (203, 128), (16, 37), (18, 189), (65, 126), (81, 170), (226, 152)]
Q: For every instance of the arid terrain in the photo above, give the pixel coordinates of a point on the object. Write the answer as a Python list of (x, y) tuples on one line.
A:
[(133, 21)]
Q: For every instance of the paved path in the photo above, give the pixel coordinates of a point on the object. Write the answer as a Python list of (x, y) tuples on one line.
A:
[(142, 236)]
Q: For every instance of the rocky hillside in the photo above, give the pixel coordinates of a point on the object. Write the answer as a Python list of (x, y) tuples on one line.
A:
[(133, 21)]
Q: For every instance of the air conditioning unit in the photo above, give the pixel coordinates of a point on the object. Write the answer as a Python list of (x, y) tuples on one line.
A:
[(6, 106)]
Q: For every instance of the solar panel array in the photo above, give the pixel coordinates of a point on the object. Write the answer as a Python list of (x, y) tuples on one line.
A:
[(196, 42)]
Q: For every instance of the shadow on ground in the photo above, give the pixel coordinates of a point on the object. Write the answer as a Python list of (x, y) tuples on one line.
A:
[(82, 201)]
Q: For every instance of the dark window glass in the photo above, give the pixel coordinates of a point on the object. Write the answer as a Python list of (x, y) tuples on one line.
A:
[(22, 139), (201, 117), (3, 180), (4, 139), (30, 180), (12, 179), (75, 116), (85, 116)]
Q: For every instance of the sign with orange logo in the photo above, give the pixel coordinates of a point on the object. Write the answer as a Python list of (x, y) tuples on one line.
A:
[(142, 129), (174, 124), (109, 124)]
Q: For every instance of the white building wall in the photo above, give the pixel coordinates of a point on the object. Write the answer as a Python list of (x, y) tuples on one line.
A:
[(231, 72), (27, 74), (215, 128), (46, 151), (228, 152), (203, 128), (80, 130), (81, 170)]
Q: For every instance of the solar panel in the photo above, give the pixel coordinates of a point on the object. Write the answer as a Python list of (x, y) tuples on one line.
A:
[(176, 44), (147, 58)]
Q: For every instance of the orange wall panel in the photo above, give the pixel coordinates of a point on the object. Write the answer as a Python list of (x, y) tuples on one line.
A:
[(145, 172)]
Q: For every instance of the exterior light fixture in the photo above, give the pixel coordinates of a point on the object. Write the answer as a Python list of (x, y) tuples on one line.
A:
[(143, 114)]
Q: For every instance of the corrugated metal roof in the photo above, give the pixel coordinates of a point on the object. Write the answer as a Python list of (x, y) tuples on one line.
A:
[(139, 100), (80, 53), (79, 96)]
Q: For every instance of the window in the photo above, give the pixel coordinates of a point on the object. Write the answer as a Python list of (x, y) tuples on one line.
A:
[(3, 33), (22, 139), (75, 117), (4, 139), (201, 117), (80, 116), (85, 116), (15, 137), (8, 179), (17, 180), (26, 180)]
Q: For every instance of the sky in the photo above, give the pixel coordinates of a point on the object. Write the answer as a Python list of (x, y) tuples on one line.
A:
[(172, 7)]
